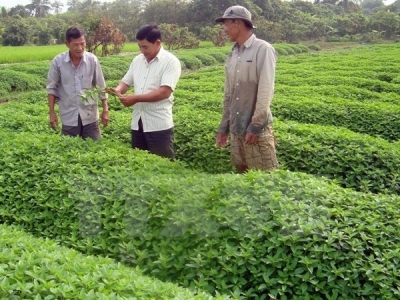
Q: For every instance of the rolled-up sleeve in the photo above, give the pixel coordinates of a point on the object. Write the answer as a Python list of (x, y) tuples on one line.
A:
[(99, 79), (224, 125), (53, 79)]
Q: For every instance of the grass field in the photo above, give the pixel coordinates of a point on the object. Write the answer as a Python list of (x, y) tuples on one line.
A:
[(10, 54), (38, 53)]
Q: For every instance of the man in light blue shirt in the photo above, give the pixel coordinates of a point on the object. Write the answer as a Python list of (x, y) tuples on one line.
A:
[(73, 73)]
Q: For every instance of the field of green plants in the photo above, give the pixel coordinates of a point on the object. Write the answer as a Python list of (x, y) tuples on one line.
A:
[(98, 220)]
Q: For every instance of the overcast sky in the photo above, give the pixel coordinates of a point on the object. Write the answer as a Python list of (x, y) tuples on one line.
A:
[(9, 4)]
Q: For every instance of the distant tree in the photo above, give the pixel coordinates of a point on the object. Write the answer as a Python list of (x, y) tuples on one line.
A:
[(3, 12), (19, 10), (73, 5), (385, 22), (105, 37), (121, 10), (175, 37), (89, 4), (39, 8), (57, 6), (369, 5), (15, 33), (165, 11), (215, 34), (351, 24)]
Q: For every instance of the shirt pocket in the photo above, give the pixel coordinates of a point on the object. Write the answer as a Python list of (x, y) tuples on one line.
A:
[(249, 71), (87, 82)]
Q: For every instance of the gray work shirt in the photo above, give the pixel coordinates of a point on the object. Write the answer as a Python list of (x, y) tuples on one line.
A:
[(67, 82), (249, 88)]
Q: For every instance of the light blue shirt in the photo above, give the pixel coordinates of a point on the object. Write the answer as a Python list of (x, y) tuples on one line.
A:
[(67, 82)]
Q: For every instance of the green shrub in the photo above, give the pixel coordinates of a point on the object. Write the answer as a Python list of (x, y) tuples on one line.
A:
[(37, 268), (314, 47), (14, 81), (281, 51), (206, 60), (376, 118), (295, 48), (219, 57), (280, 233), (191, 62)]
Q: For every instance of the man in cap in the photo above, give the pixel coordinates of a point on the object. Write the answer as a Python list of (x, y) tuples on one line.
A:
[(249, 88)]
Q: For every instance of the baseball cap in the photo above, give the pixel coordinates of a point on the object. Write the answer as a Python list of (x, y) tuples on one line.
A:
[(237, 12)]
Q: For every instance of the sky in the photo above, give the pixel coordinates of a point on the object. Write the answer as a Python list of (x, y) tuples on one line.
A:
[(9, 4)]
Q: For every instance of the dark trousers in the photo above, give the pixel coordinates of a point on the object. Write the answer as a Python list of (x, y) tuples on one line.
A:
[(156, 142), (91, 130)]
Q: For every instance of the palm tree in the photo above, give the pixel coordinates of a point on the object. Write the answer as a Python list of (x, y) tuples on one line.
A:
[(57, 6), (39, 8), (73, 5)]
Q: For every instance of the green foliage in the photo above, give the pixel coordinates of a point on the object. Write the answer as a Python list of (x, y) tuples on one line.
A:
[(37, 268), (14, 81), (376, 119), (215, 34), (280, 233), (15, 33), (314, 47), (219, 57), (206, 59), (281, 51), (175, 37), (191, 62)]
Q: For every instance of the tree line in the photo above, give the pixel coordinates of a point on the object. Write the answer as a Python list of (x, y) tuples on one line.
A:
[(186, 22)]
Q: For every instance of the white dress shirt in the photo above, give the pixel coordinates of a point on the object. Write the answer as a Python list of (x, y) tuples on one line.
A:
[(145, 77)]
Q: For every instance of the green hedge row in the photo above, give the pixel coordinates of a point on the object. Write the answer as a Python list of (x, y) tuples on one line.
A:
[(380, 118), (377, 119), (15, 81), (353, 160), (33, 75), (340, 91), (37, 268), (280, 235)]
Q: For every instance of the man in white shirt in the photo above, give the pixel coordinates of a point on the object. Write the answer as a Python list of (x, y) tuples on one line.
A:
[(71, 74), (154, 75)]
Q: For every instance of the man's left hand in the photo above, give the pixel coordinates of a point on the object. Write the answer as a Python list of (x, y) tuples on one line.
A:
[(104, 118), (251, 138)]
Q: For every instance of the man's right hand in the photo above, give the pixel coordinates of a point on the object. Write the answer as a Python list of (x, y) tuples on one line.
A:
[(53, 120), (222, 139)]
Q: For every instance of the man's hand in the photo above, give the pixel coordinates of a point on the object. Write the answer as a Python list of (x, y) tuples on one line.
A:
[(222, 139), (113, 91), (127, 100), (53, 120), (251, 138), (104, 118)]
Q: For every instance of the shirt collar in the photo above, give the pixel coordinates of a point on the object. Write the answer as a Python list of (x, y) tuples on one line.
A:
[(158, 56), (68, 58), (247, 43)]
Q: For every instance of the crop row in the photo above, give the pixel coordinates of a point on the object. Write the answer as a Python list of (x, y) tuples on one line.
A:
[(37, 268), (204, 90), (284, 234), (353, 160)]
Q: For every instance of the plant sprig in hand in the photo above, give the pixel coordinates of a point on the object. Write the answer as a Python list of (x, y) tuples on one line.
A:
[(94, 94)]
